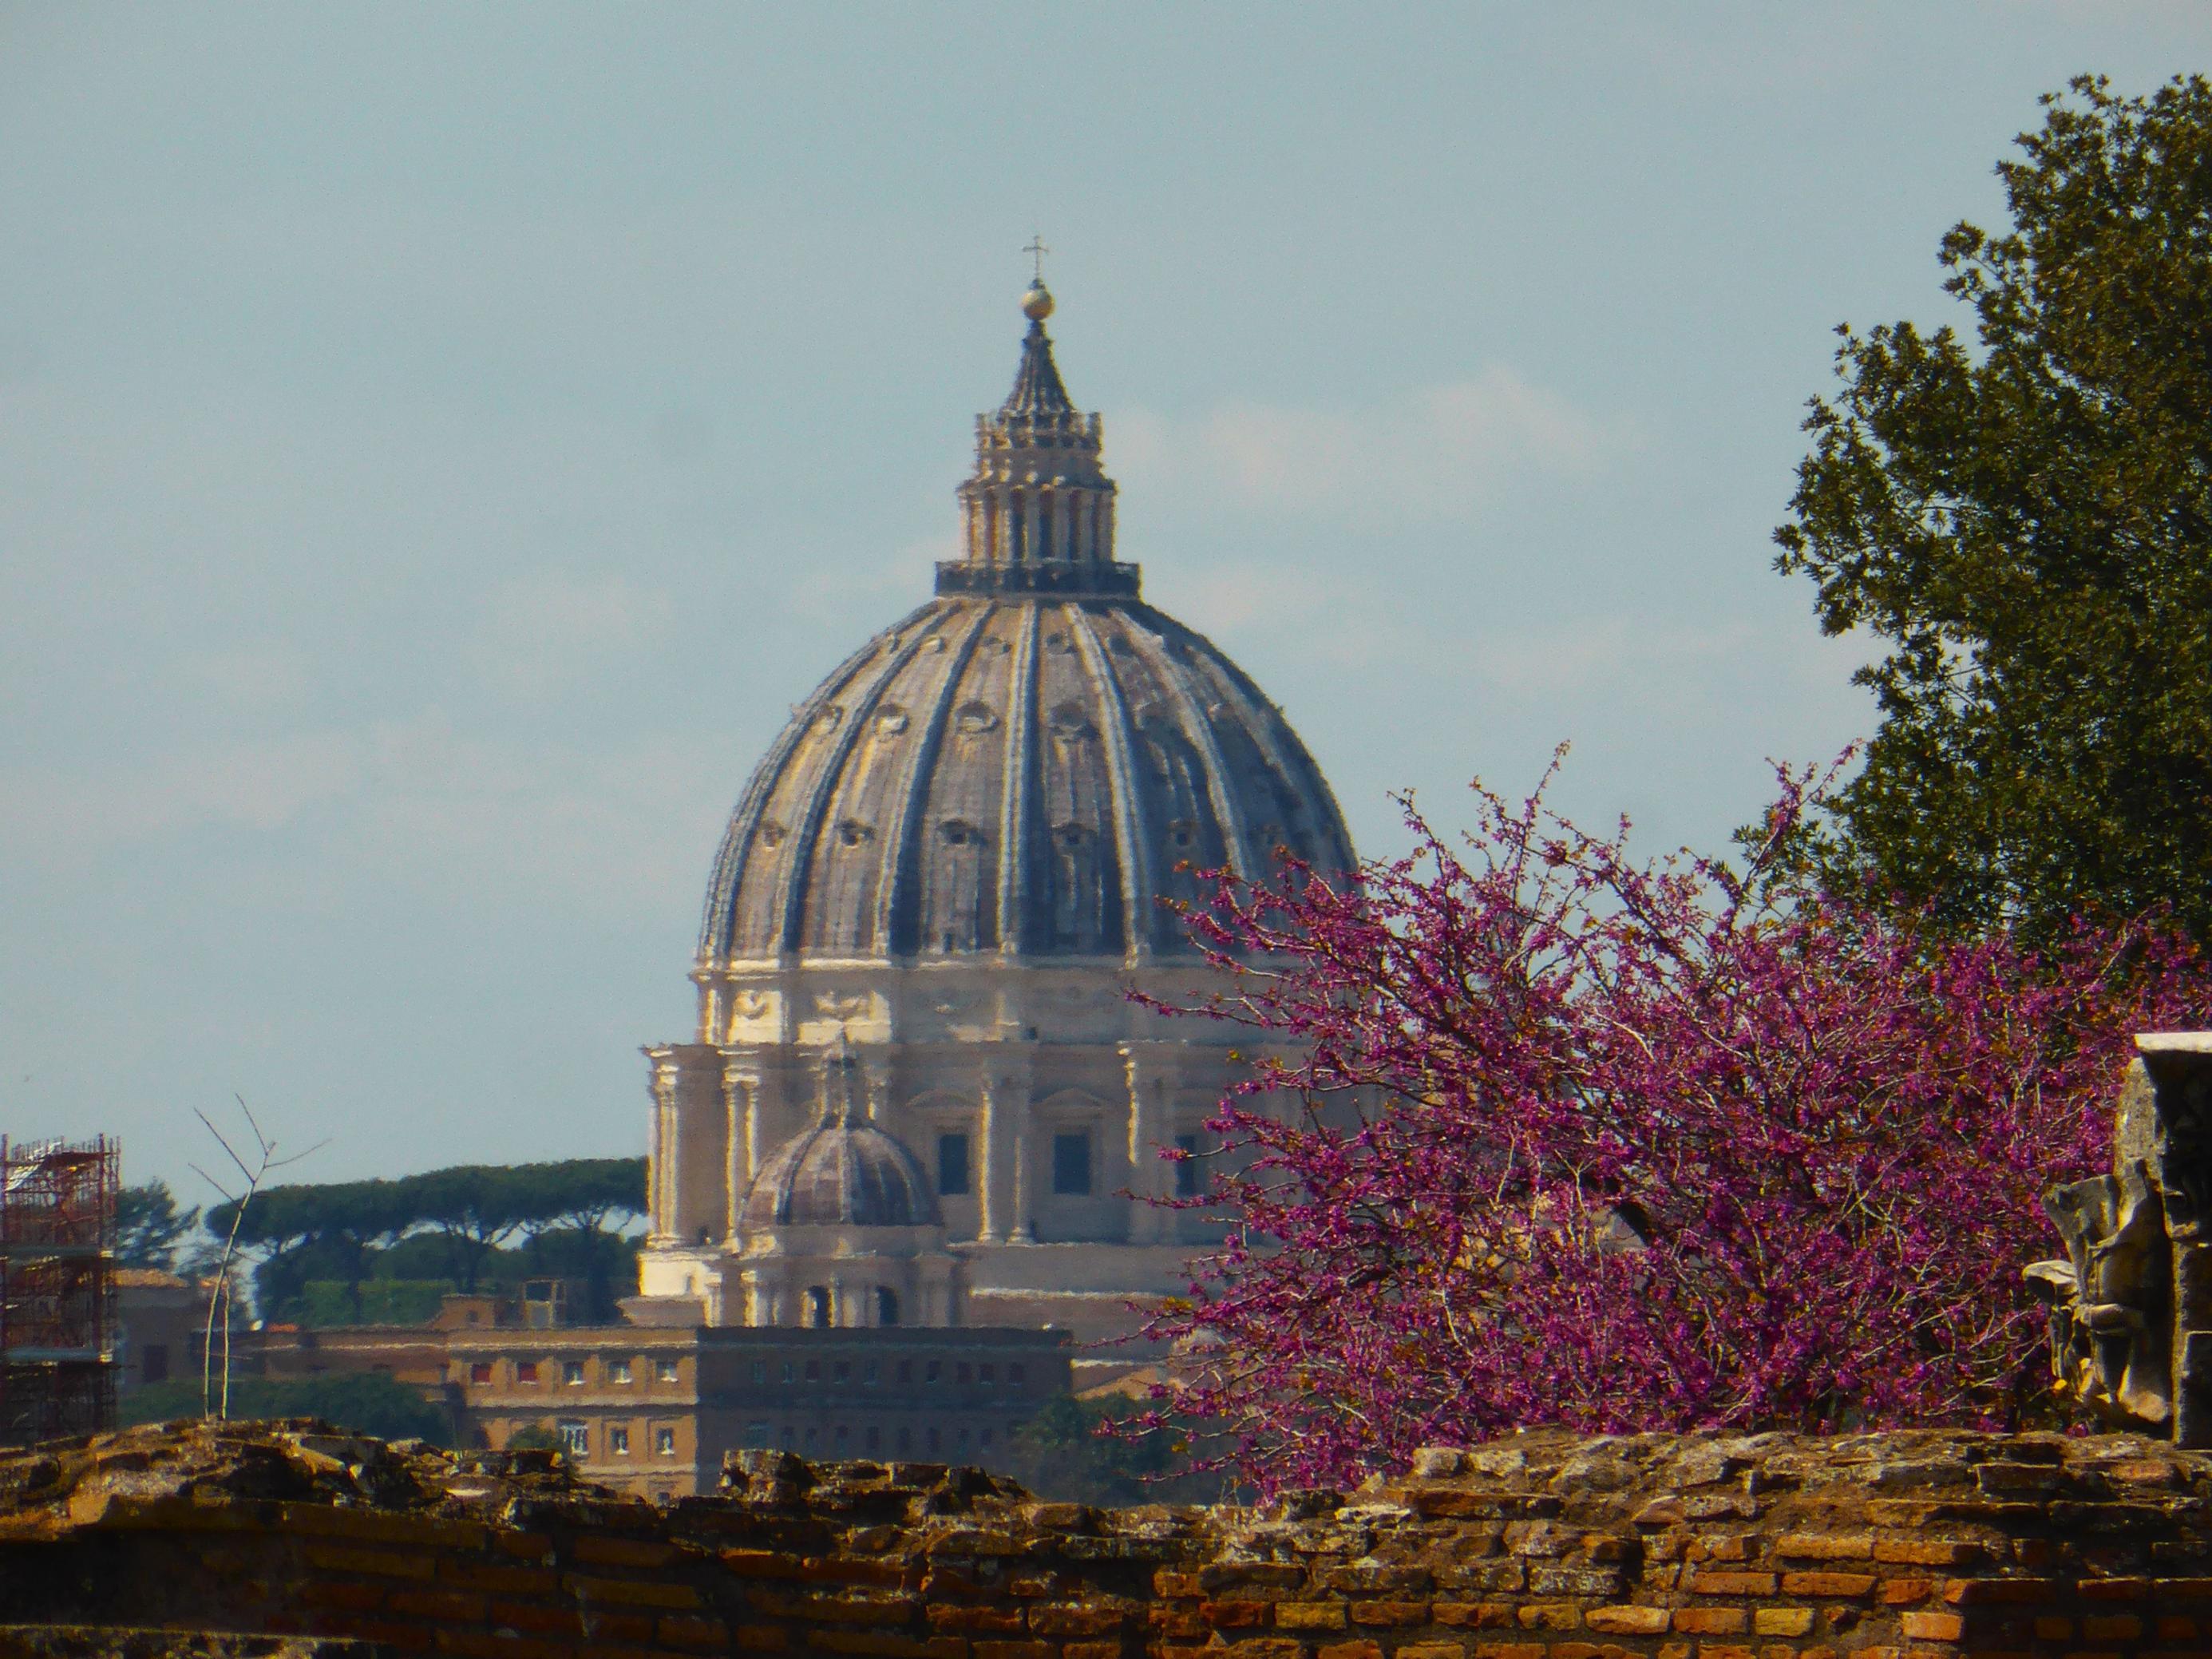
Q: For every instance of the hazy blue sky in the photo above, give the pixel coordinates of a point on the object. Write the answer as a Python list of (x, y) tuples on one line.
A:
[(438, 443)]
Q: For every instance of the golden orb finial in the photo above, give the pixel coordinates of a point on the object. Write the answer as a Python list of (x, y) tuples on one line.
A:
[(1036, 302)]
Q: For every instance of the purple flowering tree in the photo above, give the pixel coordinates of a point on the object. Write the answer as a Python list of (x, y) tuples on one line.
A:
[(1554, 1136)]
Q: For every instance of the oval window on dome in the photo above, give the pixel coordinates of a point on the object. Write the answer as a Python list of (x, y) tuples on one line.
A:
[(771, 833), (974, 718), (956, 832), (891, 719), (851, 832), (1057, 641), (830, 716), (1071, 720)]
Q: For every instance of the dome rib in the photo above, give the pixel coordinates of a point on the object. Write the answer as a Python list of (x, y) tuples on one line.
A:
[(897, 909), (1133, 846), (1014, 806), (718, 924), (791, 898), (1198, 728)]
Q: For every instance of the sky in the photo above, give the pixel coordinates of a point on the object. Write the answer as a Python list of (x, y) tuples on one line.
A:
[(438, 445)]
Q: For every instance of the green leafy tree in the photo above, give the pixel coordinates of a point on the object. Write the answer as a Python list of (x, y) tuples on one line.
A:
[(1076, 1451), (149, 1227), (2024, 522), (367, 1402)]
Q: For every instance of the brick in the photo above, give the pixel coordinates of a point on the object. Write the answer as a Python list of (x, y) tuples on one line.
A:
[(1846, 1584), (1351, 1651), (1827, 1546), (1433, 1651), (2110, 1627), (2172, 1629), (1724, 1651), (1091, 1650), (1551, 1615), (977, 1622), (537, 1616), (470, 1573), (602, 1629), (1252, 1647), (1930, 1552), (684, 1630), (1897, 1592), (1310, 1615), (1782, 1621), (884, 1645), (1234, 1615), (629, 1592), (1465, 1615), (2116, 1589), (621, 1552), (1705, 1582), (1390, 1613), (334, 1557), (1933, 1627), (761, 1639), (530, 1545), (1249, 1574), (1627, 1620), (1081, 1619), (2011, 1592), (490, 1644), (2052, 1628), (377, 1526), (452, 1606), (341, 1596), (1013, 1649), (757, 1564), (1710, 1621), (1369, 1579), (1505, 1650), (1175, 1584)]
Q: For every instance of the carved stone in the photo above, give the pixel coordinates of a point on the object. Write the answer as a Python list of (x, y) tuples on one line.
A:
[(2132, 1305)]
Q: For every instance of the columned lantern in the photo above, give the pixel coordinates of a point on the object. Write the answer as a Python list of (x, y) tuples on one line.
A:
[(949, 872)]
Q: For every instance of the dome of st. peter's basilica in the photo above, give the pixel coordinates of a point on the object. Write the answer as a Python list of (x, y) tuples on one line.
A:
[(934, 896)]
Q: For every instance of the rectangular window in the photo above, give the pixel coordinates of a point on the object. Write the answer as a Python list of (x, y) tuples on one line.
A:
[(480, 1371), (843, 1372), (575, 1436), (960, 1374), (868, 1375), (664, 1440), (760, 1375), (813, 1370), (618, 1439), (986, 1375), (664, 1370), (572, 1373), (952, 1165), (786, 1370), (1017, 1375), (1190, 1174), (929, 1372), (526, 1370), (1071, 1163), (619, 1371)]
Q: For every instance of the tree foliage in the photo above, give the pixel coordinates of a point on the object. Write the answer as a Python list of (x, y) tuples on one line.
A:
[(1563, 1138), (149, 1227), (342, 1231), (367, 1402), (2024, 522)]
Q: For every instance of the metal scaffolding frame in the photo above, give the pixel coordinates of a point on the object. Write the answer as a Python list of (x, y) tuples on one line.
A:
[(57, 1288)]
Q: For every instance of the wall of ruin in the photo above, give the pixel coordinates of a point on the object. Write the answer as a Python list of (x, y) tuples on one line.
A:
[(1543, 1547)]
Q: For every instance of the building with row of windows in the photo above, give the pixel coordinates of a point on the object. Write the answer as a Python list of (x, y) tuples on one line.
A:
[(652, 1411)]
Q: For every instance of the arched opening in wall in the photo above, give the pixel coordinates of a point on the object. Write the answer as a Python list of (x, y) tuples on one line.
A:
[(887, 1305), (818, 1307)]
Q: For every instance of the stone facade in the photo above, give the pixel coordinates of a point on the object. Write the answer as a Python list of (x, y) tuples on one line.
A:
[(950, 871), (1540, 1547)]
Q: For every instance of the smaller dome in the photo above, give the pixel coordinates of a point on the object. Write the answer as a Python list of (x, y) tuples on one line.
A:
[(842, 1172)]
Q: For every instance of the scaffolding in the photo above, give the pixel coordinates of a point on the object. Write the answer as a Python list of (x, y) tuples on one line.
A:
[(57, 1288)]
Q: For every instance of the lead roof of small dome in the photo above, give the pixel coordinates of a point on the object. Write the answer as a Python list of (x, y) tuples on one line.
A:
[(842, 1171), (1029, 765)]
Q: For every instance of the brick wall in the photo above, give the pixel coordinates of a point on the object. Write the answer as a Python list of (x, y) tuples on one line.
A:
[(1538, 1548)]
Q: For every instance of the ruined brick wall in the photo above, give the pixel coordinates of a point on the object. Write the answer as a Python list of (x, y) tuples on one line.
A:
[(1540, 1547)]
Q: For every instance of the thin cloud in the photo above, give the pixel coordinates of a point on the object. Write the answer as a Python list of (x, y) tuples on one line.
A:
[(1436, 453), (544, 632)]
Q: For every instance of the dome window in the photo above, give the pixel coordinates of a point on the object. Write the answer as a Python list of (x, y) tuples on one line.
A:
[(771, 833), (817, 1308), (974, 719), (851, 832), (887, 1311), (1183, 833), (955, 833), (891, 719)]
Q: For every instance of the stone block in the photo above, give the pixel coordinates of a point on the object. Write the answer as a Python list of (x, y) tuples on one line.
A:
[(1310, 1615), (1710, 1621), (1849, 1585), (1781, 1621), (1627, 1620), (1825, 1546), (1706, 1582), (1933, 1627)]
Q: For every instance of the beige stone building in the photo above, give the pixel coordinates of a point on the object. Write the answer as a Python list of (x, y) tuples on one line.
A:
[(919, 1091)]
